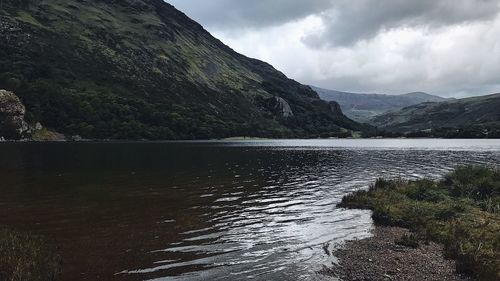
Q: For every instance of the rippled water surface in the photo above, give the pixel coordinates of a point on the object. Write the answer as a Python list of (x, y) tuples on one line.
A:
[(223, 210)]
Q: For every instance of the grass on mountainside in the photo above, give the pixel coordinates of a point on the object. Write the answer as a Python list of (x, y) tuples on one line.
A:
[(462, 212), (25, 257)]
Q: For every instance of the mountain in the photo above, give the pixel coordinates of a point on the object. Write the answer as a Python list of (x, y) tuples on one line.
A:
[(140, 69), (470, 117), (363, 107)]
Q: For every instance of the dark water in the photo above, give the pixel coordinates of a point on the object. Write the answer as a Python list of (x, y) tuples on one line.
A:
[(261, 210)]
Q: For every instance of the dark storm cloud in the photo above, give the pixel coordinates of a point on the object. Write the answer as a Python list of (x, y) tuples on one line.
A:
[(350, 21), (236, 14), (345, 21)]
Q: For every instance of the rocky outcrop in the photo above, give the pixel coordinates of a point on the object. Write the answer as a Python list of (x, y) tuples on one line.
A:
[(12, 110), (281, 107), (335, 108), (277, 106), (14, 127)]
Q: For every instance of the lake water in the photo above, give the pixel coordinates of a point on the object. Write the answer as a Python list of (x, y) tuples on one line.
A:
[(221, 210)]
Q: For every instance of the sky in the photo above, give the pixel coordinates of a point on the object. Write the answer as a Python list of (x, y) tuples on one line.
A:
[(444, 47)]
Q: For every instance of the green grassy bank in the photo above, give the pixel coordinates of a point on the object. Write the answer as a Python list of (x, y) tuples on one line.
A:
[(462, 212), (26, 257)]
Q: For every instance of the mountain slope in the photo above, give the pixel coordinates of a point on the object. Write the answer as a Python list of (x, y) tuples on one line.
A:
[(470, 117), (363, 107), (142, 69)]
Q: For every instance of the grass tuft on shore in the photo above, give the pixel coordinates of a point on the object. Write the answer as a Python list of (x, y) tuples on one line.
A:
[(26, 257), (462, 212)]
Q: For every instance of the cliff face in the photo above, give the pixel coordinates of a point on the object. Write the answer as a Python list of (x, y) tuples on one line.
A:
[(12, 124), (142, 69)]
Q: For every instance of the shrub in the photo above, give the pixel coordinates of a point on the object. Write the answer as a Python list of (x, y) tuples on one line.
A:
[(461, 211), (478, 183), (25, 257), (408, 240)]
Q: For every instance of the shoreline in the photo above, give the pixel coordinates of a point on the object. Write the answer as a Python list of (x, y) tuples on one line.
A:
[(219, 140), (460, 213), (380, 258)]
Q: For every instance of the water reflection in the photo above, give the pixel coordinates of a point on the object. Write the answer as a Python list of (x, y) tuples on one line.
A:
[(197, 211)]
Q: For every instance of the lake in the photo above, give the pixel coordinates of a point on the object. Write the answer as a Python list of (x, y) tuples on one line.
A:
[(214, 210)]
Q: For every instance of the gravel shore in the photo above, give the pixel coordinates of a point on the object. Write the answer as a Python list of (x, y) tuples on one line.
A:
[(380, 258)]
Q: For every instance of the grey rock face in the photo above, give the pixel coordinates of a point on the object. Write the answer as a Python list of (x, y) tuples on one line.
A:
[(12, 124), (283, 107), (335, 108), (277, 106)]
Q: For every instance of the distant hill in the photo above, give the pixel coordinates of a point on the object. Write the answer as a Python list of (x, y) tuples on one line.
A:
[(363, 107), (470, 117), (141, 69)]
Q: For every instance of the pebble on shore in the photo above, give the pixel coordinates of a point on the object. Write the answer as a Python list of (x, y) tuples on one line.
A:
[(380, 258)]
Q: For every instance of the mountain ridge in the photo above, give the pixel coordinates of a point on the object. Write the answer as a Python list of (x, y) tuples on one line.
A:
[(468, 117), (364, 106)]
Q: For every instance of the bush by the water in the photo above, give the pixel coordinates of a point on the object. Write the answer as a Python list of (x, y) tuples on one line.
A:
[(462, 211), (25, 257)]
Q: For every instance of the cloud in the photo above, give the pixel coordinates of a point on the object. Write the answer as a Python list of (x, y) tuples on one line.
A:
[(238, 14), (347, 21), (446, 47), (451, 60)]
